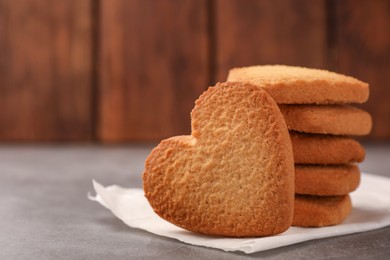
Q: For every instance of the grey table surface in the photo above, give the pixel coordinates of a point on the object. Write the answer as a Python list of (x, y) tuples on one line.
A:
[(45, 213)]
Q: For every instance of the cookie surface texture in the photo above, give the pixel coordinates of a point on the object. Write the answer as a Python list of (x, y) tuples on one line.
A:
[(298, 85), (327, 119), (234, 175), (326, 180), (313, 211), (325, 149)]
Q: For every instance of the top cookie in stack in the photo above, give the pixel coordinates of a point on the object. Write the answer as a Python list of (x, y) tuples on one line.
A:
[(298, 85), (316, 107)]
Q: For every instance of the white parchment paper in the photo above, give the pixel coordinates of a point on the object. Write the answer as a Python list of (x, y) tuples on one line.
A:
[(371, 210)]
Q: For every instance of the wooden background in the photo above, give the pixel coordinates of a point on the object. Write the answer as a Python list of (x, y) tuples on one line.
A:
[(130, 70)]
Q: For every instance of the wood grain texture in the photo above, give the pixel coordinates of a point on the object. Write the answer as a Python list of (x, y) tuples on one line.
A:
[(156, 57), (153, 65), (45, 70), (270, 32), (363, 41)]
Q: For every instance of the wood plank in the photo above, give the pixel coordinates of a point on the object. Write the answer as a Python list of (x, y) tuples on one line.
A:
[(153, 65), (363, 41), (45, 70), (270, 32)]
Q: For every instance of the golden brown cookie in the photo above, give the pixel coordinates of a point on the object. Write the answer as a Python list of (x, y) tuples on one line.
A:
[(298, 85), (327, 119), (325, 149), (314, 211), (234, 175), (327, 180)]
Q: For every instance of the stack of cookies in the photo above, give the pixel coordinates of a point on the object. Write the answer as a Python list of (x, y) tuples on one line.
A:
[(316, 107)]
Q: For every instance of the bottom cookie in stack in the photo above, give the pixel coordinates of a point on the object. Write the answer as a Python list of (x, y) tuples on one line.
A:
[(320, 211), (322, 194)]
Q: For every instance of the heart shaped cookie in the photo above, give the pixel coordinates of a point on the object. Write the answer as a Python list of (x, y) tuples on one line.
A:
[(234, 175)]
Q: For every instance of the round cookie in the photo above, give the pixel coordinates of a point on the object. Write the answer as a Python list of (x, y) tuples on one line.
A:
[(298, 85), (314, 211), (326, 180), (327, 119), (234, 175), (325, 149)]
